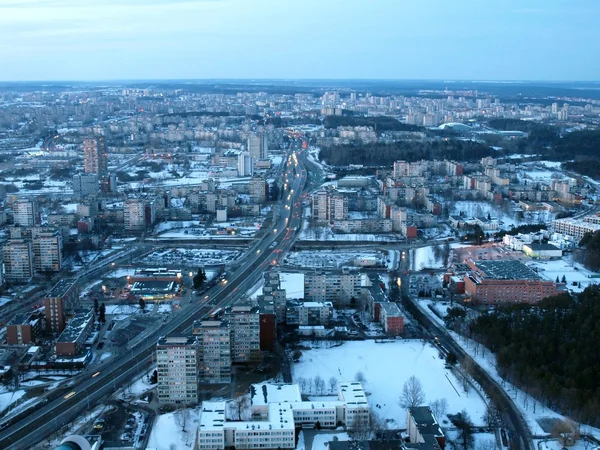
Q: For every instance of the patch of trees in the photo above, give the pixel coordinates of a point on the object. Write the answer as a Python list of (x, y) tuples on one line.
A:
[(578, 143), (589, 253), (198, 114), (526, 228), (379, 123), (590, 168), (199, 279), (384, 154), (552, 351)]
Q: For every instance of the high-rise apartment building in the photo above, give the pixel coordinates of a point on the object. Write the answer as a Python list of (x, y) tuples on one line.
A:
[(84, 185), (178, 369), (245, 334), (214, 350), (337, 287), (328, 206), (134, 213), (47, 251), (245, 165), (258, 146), (95, 159), (258, 190), (25, 213), (63, 297), (17, 255)]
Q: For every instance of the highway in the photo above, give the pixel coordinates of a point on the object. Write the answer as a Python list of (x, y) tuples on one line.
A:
[(88, 389)]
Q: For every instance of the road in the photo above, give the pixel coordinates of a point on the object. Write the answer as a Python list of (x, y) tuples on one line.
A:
[(520, 436), (89, 388)]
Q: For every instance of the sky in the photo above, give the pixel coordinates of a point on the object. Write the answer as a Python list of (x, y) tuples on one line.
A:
[(299, 39)]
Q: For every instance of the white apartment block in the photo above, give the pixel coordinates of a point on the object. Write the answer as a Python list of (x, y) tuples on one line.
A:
[(280, 410), (245, 165), (25, 213), (328, 206), (576, 228), (17, 255), (258, 146), (178, 370), (47, 251), (134, 213), (336, 287), (257, 188)]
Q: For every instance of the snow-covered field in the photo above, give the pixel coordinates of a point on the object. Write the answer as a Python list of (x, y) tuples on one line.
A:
[(386, 366), (167, 431), (331, 259), (573, 273), (192, 256), (293, 283), (325, 234)]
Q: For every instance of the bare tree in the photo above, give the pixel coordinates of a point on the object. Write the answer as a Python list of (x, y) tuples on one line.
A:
[(319, 384), (491, 416), (566, 431), (310, 384), (239, 406), (304, 384), (333, 383), (439, 407), (360, 377), (467, 367), (360, 429), (182, 417), (464, 426), (412, 393)]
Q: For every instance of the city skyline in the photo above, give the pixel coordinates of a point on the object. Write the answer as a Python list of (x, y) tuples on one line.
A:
[(234, 39)]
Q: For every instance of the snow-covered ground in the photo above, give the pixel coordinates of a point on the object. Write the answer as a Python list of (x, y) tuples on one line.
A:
[(386, 366), (122, 309), (325, 234), (167, 431), (192, 256), (482, 209), (572, 271), (321, 439), (8, 398), (120, 273)]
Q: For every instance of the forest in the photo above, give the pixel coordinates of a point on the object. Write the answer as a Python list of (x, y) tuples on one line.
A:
[(589, 252), (379, 123), (587, 167), (384, 154), (552, 351)]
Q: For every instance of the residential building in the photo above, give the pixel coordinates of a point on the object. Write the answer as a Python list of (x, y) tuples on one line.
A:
[(245, 165), (47, 251), (308, 313), (391, 319), (63, 297), (84, 185), (17, 255), (257, 188), (214, 351), (25, 213), (337, 287), (72, 339), (576, 228), (423, 428), (245, 333), (95, 159), (24, 328), (134, 213), (178, 370), (258, 146)]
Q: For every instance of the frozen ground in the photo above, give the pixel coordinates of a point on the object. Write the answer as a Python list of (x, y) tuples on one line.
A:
[(386, 366), (482, 209), (331, 259), (321, 439), (8, 398), (167, 431), (120, 273), (325, 234), (573, 273), (192, 256)]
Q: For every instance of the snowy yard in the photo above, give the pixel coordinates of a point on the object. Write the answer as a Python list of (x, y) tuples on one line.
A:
[(386, 366), (167, 431), (8, 398), (573, 273)]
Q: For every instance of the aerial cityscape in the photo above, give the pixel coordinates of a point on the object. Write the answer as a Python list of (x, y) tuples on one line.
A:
[(216, 259)]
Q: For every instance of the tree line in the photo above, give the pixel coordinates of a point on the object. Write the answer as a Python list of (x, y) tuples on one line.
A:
[(589, 252), (552, 352), (384, 154), (379, 123)]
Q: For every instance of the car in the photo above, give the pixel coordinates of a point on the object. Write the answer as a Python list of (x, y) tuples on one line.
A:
[(99, 424)]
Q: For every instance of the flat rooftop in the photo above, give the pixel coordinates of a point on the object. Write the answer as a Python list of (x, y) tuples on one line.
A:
[(506, 270), (212, 418), (265, 393), (353, 393), (75, 327), (61, 288), (153, 286)]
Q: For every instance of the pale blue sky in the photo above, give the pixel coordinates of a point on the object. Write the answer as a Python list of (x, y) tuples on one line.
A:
[(391, 39)]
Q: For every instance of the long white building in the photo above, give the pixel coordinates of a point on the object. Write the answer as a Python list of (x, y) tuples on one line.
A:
[(280, 410)]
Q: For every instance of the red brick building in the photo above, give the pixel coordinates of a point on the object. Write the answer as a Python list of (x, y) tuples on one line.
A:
[(493, 282), (24, 329)]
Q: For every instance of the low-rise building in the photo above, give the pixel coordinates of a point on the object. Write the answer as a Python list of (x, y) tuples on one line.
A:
[(72, 339), (24, 328), (543, 251), (308, 313), (423, 428)]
